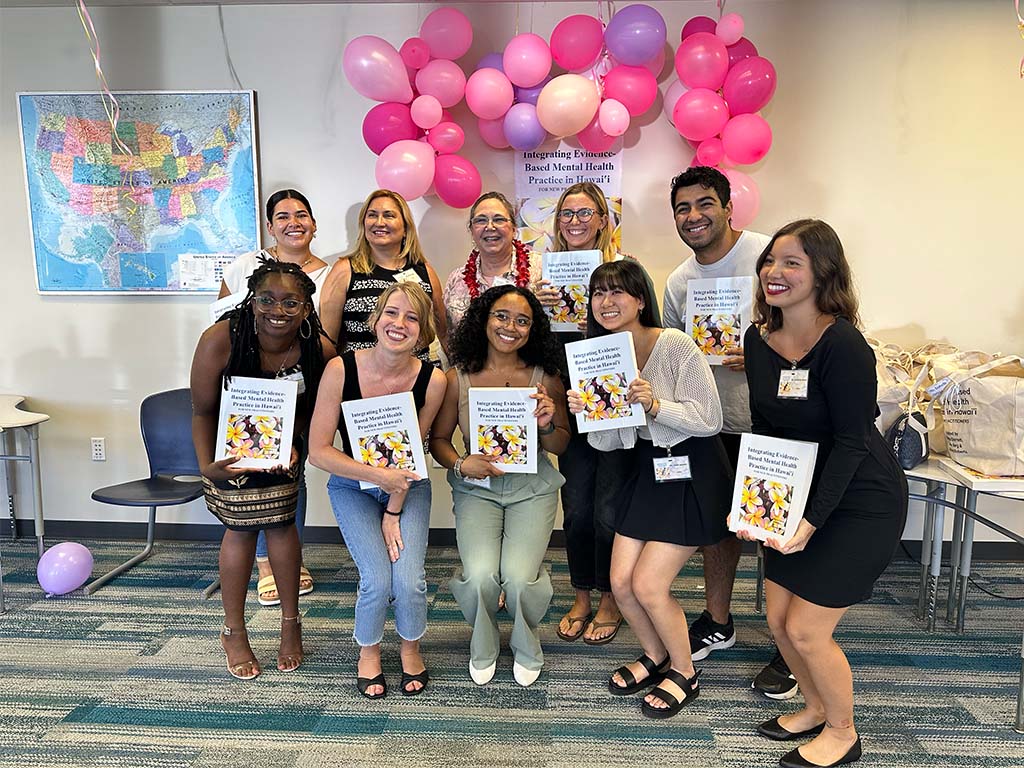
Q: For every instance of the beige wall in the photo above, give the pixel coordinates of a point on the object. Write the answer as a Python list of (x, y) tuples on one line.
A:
[(898, 122)]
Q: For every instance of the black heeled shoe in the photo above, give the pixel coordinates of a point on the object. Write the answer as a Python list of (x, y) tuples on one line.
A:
[(773, 730), (795, 760)]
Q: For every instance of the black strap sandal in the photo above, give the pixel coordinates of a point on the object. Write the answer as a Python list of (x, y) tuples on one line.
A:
[(655, 673), (688, 685), (363, 683), (422, 678)]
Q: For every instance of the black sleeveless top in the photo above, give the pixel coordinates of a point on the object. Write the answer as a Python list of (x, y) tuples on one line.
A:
[(364, 288), (351, 390)]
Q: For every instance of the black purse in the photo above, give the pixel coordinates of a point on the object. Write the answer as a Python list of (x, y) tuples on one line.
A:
[(908, 438)]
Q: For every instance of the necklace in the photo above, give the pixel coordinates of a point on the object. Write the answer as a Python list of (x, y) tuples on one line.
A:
[(301, 266), (284, 360), (520, 265)]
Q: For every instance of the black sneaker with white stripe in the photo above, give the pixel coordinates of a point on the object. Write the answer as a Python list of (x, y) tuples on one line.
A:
[(706, 635), (776, 681)]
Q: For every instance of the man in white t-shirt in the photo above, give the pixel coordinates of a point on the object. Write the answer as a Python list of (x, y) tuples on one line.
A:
[(702, 206)]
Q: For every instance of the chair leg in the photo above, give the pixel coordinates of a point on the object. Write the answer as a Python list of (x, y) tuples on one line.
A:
[(759, 587), (3, 607), (208, 592), (143, 555)]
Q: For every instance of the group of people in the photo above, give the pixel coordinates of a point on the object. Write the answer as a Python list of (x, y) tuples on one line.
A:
[(363, 327)]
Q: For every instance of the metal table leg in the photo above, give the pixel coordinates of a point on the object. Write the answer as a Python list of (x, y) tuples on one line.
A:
[(8, 448), (1019, 727), (926, 549), (3, 607), (37, 485), (935, 562), (966, 552), (954, 552)]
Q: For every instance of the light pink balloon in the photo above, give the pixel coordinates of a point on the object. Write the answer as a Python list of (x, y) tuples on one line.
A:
[(745, 196), (749, 85), (672, 95), (448, 33), (375, 70), (457, 181), (567, 104), (710, 152), (425, 111), (442, 79), (744, 49), (489, 93), (493, 132), (407, 167), (698, 24), (613, 117), (576, 42), (593, 139), (730, 28), (747, 138), (415, 52), (446, 138), (527, 60), (700, 114), (634, 87), (702, 61)]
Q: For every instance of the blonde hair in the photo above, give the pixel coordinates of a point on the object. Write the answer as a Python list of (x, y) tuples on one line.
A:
[(421, 305), (361, 257), (604, 235)]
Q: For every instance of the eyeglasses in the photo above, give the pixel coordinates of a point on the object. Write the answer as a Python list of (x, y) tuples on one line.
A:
[(266, 304), (504, 318), (482, 222), (583, 214)]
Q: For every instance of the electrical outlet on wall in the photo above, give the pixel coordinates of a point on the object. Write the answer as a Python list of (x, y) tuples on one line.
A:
[(99, 449)]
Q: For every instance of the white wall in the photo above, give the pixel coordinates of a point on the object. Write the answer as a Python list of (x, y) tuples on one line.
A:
[(898, 122)]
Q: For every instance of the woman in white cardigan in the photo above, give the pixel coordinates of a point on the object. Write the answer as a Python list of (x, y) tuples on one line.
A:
[(662, 520)]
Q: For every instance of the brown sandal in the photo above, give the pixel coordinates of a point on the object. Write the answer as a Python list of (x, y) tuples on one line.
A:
[(607, 638), (295, 658), (236, 669), (571, 636)]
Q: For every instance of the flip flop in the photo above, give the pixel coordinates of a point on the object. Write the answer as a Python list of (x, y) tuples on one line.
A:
[(265, 586), (571, 636), (305, 575), (599, 625)]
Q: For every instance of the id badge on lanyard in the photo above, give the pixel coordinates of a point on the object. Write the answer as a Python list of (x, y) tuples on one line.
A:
[(407, 276), (793, 383), (668, 469)]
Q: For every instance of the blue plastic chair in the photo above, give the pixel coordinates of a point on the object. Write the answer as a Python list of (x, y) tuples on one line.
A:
[(173, 468)]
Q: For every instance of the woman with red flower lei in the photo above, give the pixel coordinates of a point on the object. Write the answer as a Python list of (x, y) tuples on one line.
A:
[(497, 258)]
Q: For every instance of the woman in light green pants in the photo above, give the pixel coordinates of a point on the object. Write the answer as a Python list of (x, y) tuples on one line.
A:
[(503, 529)]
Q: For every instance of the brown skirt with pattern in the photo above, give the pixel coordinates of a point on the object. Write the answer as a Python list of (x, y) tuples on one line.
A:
[(253, 501)]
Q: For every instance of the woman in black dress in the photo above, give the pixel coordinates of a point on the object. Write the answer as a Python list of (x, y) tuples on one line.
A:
[(807, 323)]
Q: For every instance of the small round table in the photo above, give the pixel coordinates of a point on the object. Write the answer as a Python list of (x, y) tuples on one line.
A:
[(13, 418)]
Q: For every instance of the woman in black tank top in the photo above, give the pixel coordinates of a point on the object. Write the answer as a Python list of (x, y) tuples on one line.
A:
[(385, 526)]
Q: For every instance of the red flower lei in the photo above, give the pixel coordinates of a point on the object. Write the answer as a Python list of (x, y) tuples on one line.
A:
[(521, 265)]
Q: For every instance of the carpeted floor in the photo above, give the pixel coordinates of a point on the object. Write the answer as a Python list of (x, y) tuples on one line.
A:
[(134, 676)]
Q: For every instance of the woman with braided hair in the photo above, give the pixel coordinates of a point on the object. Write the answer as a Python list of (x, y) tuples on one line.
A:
[(273, 334)]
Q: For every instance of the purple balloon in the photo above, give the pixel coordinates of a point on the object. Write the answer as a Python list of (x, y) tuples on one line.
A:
[(64, 568), (492, 61), (530, 95), (635, 35), (522, 128)]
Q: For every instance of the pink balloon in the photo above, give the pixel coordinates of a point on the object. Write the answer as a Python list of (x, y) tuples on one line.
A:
[(634, 87), (64, 568), (745, 196), (488, 93), (444, 80), (527, 60), (747, 138), (749, 85), (730, 28), (446, 138), (407, 167), (672, 95), (387, 123), (567, 104), (448, 33), (710, 152), (702, 61), (700, 114), (493, 132), (375, 70), (576, 42), (415, 52), (425, 111), (457, 181), (613, 117), (744, 49), (698, 24), (593, 139)]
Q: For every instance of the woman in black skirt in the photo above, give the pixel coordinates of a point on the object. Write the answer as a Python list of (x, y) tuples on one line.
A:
[(660, 523), (806, 325)]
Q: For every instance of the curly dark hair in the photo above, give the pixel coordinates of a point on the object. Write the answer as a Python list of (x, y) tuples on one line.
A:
[(707, 177), (244, 359), (468, 344)]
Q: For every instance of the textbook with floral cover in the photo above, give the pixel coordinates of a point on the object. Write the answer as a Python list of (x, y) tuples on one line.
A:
[(385, 432), (257, 418), (601, 369), (502, 424), (717, 313), (773, 483), (569, 272)]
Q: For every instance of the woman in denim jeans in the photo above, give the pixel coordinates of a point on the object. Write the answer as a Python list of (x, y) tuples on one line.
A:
[(385, 528)]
